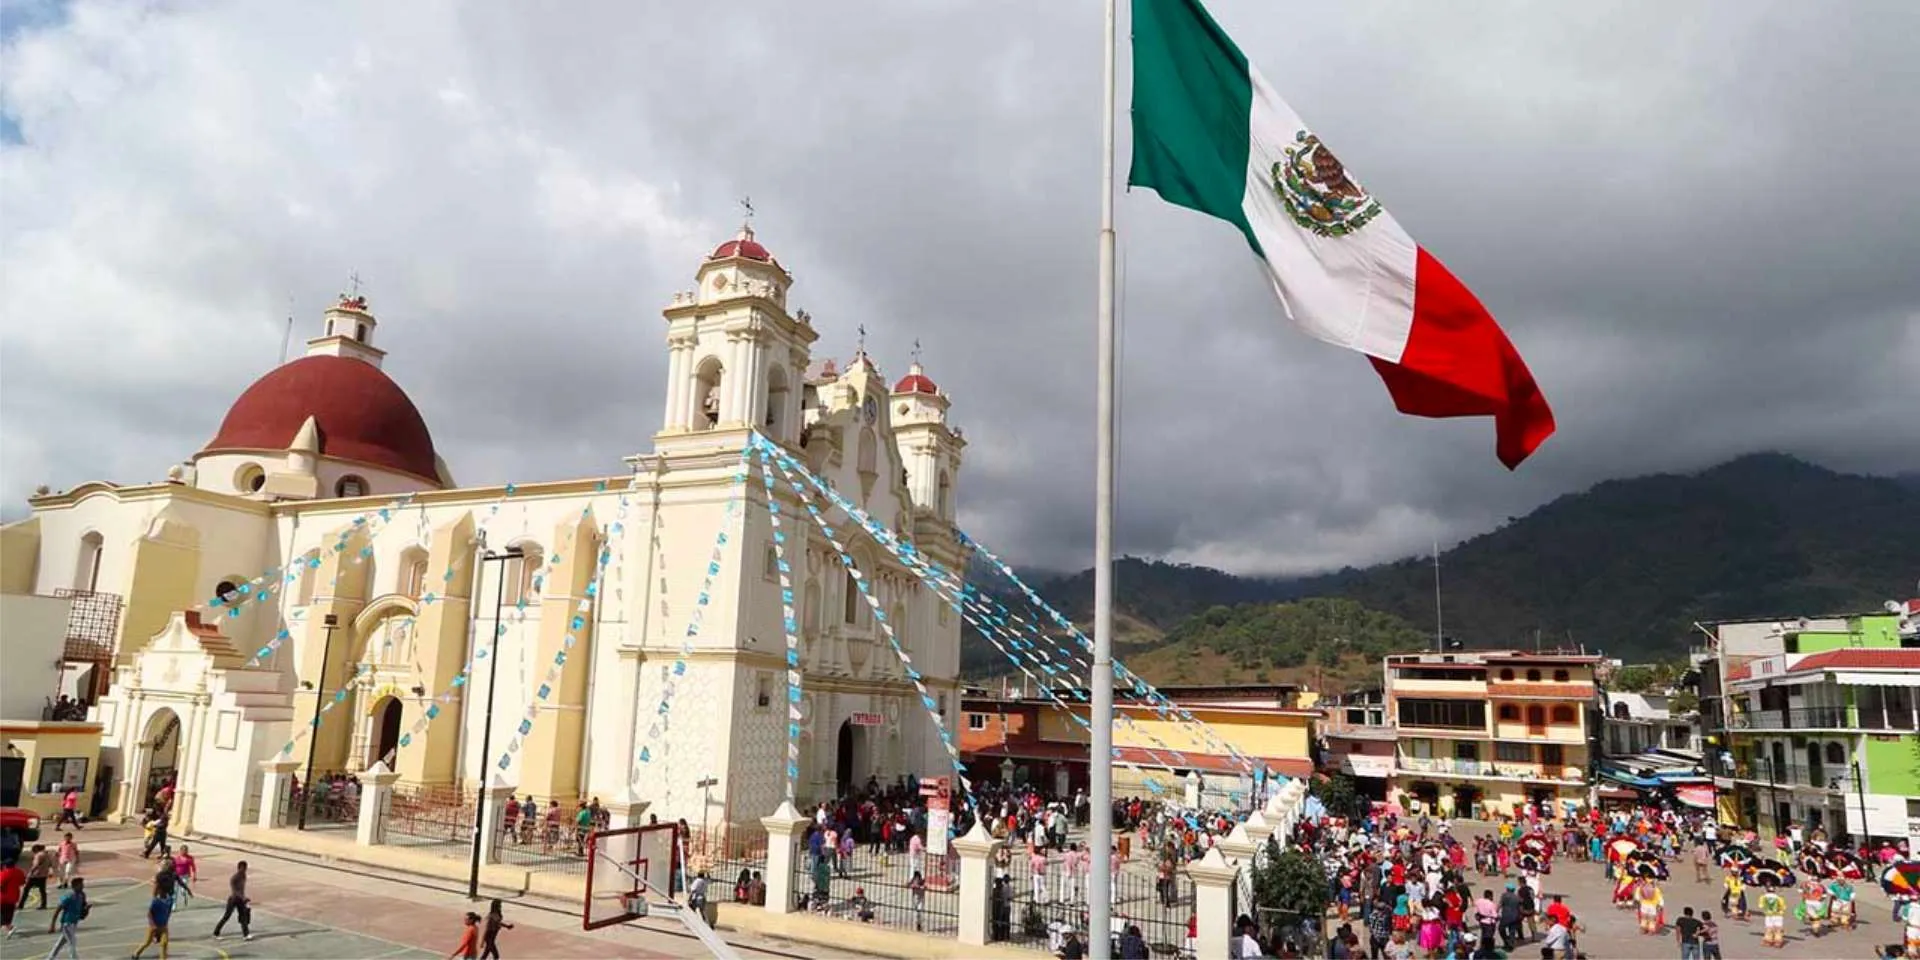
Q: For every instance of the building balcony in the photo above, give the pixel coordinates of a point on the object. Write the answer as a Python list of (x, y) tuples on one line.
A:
[(1818, 776), (1876, 717), (1482, 769)]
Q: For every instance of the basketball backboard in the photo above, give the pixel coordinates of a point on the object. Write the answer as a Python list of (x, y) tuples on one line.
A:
[(627, 869)]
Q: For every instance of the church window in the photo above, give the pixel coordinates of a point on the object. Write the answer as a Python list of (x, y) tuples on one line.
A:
[(249, 478), (308, 574), (776, 415), (350, 486), (762, 690), (814, 610), (770, 565), (851, 600), (706, 394), (360, 332), (87, 573), (524, 575), (413, 572), (943, 504), (227, 591)]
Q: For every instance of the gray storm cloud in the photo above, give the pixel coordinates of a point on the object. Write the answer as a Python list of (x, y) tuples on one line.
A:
[(1697, 227)]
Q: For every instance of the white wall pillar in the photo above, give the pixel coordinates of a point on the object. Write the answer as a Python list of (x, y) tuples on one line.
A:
[(376, 801), (628, 811), (1213, 882), (490, 832), (783, 837), (276, 784), (976, 851), (676, 385)]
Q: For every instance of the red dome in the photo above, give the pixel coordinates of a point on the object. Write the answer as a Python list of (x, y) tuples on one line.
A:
[(362, 415), (915, 383), (742, 247)]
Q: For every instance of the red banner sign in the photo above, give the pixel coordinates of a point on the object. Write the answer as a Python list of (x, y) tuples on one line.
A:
[(865, 719)]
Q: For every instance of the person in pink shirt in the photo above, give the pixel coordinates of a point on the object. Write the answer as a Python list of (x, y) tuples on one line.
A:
[(69, 859), (187, 870), (1037, 864), (70, 809)]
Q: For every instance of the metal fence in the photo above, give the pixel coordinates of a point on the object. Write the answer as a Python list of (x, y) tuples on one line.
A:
[(551, 839), (1037, 909), (437, 816), (872, 884), (333, 801), (734, 858)]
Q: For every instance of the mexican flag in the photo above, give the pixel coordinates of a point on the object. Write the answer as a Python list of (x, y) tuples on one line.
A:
[(1210, 134)]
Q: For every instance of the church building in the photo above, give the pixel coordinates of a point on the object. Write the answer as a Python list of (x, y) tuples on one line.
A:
[(322, 528)]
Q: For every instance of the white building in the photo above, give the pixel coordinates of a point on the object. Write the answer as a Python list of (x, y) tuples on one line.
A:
[(392, 598), (1638, 722)]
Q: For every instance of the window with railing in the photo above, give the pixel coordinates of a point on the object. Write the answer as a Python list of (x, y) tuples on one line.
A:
[(1447, 714)]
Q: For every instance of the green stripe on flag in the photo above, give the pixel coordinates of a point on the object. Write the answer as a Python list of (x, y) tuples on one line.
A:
[(1191, 107)]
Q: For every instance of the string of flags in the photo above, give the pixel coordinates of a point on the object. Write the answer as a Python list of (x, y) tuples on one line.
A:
[(789, 624), (643, 755), (943, 584), (861, 582)]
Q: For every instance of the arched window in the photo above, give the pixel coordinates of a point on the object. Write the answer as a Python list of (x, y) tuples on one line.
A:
[(227, 591), (350, 486), (774, 423), (1563, 714), (1536, 716), (360, 332), (1836, 753), (308, 574), (706, 394), (1533, 676), (1620, 712), (1559, 676), (86, 575), (524, 574), (249, 478), (1506, 673), (413, 572), (1509, 713), (770, 564), (944, 501), (850, 601)]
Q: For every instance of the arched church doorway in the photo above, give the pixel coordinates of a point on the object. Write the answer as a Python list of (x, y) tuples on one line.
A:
[(386, 732), (850, 757), (161, 745)]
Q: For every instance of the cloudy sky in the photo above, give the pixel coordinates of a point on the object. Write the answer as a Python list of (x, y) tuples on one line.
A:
[(1696, 221)]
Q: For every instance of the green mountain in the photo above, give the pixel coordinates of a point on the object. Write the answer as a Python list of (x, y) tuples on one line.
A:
[(1625, 567)]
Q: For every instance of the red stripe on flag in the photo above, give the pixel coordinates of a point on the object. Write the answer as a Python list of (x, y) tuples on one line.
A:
[(1458, 363)]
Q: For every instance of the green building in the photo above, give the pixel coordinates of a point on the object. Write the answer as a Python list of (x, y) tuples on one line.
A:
[(1826, 732)]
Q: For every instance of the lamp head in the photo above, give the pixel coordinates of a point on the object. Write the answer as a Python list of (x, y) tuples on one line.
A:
[(330, 620)]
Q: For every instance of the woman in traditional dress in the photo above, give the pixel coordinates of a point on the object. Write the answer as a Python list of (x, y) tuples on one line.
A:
[(1652, 903)]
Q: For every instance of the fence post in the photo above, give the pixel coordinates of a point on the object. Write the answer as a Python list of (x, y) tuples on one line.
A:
[(627, 812), (1213, 880), (1237, 847), (976, 850), (376, 800), (491, 832), (274, 783), (1259, 828), (783, 829)]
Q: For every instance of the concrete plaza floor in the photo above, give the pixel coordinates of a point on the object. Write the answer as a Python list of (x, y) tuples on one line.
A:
[(309, 910)]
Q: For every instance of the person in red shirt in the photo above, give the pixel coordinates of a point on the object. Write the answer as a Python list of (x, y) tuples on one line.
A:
[(13, 885), (1559, 912)]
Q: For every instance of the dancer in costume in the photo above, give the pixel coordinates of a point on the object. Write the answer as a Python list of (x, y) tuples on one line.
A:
[(1813, 906), (1840, 906), (1734, 902), (1623, 891), (1773, 907), (1652, 901)]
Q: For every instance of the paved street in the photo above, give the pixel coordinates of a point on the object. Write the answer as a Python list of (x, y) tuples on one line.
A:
[(1614, 934)]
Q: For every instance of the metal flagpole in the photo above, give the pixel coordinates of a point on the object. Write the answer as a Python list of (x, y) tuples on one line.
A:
[(1100, 753)]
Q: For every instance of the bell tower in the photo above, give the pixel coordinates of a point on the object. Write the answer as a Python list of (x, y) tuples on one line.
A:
[(348, 331), (736, 355), (929, 448)]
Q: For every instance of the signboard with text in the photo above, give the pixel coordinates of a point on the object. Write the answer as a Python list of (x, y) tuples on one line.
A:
[(865, 719)]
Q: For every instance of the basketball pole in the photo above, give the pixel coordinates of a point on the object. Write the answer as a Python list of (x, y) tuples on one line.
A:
[(486, 730)]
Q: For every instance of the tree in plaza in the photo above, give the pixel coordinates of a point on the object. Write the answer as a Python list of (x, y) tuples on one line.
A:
[(1293, 884), (1337, 793)]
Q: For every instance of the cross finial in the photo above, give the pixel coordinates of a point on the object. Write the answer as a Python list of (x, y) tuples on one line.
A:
[(916, 351), (862, 346), (746, 204), (354, 280)]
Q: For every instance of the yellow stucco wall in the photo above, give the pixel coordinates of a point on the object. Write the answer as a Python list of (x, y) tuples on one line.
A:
[(45, 741), (1256, 734)]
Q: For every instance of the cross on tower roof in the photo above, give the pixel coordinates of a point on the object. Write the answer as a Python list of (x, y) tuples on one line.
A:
[(916, 350), (861, 346), (354, 280)]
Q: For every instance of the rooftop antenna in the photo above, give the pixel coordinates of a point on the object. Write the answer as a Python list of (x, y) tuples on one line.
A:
[(286, 337)]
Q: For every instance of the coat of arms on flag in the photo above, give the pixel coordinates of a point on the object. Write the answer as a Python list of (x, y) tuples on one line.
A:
[(1318, 194)]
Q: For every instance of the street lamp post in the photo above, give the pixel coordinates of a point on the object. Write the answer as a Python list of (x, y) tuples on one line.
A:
[(331, 622), (1860, 836), (486, 729)]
